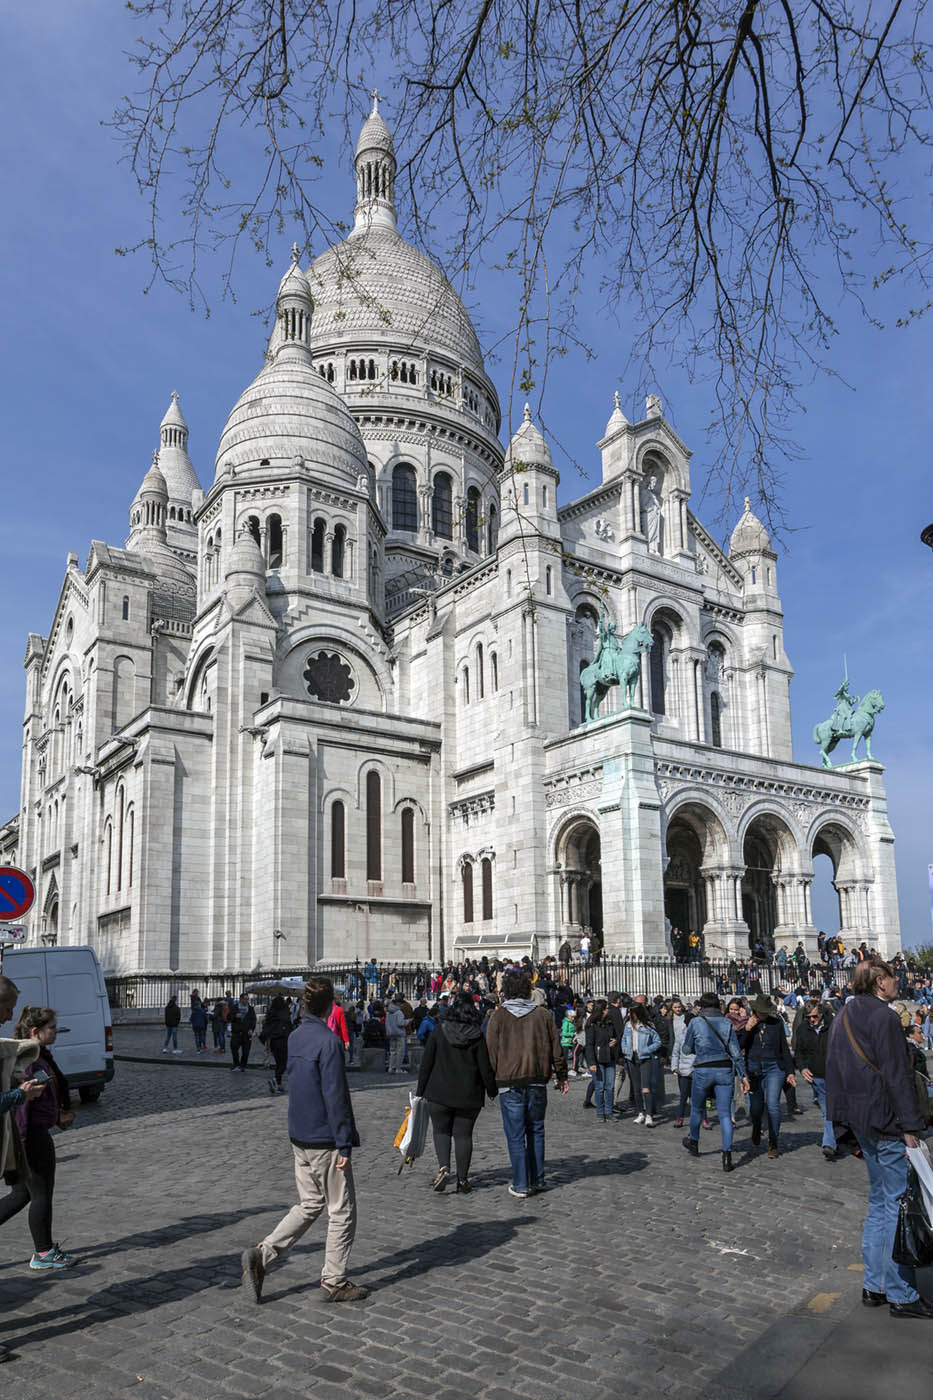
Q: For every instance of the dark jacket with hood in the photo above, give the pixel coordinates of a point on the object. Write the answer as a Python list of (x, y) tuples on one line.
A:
[(455, 1068), (877, 1102)]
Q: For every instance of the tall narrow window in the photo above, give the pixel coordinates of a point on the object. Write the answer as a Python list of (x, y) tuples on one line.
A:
[(252, 526), (715, 719), (404, 498), (480, 673), (276, 542), (467, 879), (120, 802), (339, 550), (487, 887), (494, 670), (131, 831), (126, 609), (373, 826), (492, 530), (472, 520), (317, 547), (338, 848), (548, 580), (408, 845), (109, 856), (656, 666), (442, 507), (466, 685)]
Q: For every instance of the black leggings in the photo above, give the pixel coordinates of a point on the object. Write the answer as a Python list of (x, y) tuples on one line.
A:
[(279, 1050), (456, 1123), (36, 1188)]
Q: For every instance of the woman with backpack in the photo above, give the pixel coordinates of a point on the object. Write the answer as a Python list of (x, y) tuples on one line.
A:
[(602, 1052), (455, 1078), (276, 1028)]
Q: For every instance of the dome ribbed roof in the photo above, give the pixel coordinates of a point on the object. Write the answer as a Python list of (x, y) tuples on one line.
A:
[(245, 557), (153, 482), (528, 445), (749, 533), (374, 284), (289, 411), (375, 136)]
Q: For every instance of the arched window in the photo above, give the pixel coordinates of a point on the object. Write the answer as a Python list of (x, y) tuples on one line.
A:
[(548, 580), (126, 609), (494, 671), (276, 542), (492, 530), (466, 685), (472, 520), (408, 845), (508, 583), (404, 498), (715, 719), (108, 838), (480, 673), (442, 507), (525, 494), (131, 832), (467, 878), (338, 551), (486, 871), (338, 849), (317, 547), (373, 826), (583, 665), (121, 797), (658, 667), (252, 526)]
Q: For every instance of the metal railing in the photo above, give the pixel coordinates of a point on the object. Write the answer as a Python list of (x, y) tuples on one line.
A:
[(150, 991)]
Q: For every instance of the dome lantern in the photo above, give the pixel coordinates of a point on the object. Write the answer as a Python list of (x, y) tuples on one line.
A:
[(375, 173)]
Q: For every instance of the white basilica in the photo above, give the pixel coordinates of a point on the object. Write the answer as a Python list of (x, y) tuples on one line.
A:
[(331, 707)]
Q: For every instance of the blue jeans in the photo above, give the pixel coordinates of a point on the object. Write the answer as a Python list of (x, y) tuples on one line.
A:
[(523, 1113), (886, 1160), (605, 1080), (819, 1093), (171, 1034), (719, 1082), (766, 1089)]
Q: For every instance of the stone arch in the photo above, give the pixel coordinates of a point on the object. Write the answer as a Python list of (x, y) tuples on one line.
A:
[(832, 835), (696, 858), (373, 680), (578, 855), (661, 669), (195, 677), (770, 853)]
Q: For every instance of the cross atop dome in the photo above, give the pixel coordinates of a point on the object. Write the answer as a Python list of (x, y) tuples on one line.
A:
[(296, 253), (374, 94)]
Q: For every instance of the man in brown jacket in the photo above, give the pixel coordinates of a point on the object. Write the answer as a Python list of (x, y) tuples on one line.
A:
[(524, 1050)]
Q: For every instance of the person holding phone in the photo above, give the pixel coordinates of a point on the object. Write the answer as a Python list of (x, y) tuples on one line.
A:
[(34, 1179)]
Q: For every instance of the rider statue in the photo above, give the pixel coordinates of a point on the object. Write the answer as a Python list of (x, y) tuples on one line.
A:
[(846, 703), (607, 650)]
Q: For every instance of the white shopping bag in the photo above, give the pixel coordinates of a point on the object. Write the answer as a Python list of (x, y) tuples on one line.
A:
[(412, 1139), (919, 1159)]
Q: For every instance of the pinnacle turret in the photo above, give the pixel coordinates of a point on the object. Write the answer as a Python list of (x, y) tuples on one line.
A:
[(375, 173)]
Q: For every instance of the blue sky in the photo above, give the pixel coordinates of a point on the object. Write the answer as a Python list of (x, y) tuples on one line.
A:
[(89, 361)]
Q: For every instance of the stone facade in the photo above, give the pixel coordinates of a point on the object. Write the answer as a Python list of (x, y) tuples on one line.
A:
[(332, 708)]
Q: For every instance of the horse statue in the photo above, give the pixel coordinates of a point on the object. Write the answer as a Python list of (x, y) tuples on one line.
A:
[(848, 721), (615, 663)]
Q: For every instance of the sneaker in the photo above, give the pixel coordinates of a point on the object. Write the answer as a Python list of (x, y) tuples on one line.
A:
[(678, 1122), (441, 1180), (540, 1187), (280, 1088), (519, 1194), (254, 1272), (649, 1121), (829, 1153), (464, 1188), (164, 1049), (640, 1118), (346, 1292), (707, 1124), (53, 1258), (271, 1086), (177, 1052)]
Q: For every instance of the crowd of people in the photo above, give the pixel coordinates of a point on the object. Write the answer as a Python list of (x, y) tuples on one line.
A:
[(507, 1031)]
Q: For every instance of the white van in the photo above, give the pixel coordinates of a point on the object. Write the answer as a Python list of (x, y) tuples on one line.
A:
[(69, 980)]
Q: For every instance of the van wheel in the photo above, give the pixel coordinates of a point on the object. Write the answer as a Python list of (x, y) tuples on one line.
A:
[(89, 1093)]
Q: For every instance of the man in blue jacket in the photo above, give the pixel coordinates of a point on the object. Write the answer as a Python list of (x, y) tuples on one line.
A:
[(323, 1133)]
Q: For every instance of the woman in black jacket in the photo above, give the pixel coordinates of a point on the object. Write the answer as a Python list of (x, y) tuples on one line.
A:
[(276, 1028), (455, 1077), (602, 1052), (768, 1063)]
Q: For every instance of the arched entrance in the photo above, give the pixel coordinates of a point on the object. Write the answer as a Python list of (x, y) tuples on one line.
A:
[(695, 844), (578, 856), (767, 907), (851, 890)]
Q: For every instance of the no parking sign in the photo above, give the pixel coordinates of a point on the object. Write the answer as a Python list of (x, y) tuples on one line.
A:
[(17, 893)]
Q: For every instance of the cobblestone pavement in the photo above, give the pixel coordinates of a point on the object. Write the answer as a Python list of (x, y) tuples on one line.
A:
[(641, 1272)]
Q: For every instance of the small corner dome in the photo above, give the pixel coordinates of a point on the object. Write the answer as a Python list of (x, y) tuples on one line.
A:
[(245, 557), (289, 411), (295, 282), (749, 534), (174, 418), (617, 418), (153, 483), (528, 445)]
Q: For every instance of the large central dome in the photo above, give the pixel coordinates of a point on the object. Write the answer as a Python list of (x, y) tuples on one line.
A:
[(374, 279)]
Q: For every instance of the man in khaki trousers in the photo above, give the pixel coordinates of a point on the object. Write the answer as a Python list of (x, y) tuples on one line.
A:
[(323, 1133)]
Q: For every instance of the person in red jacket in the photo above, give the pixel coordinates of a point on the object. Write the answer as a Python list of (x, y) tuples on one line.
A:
[(337, 1022)]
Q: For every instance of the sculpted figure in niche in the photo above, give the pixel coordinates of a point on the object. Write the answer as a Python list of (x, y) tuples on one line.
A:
[(651, 515)]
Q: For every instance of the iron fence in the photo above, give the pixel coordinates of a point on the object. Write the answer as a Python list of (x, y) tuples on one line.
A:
[(654, 976)]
